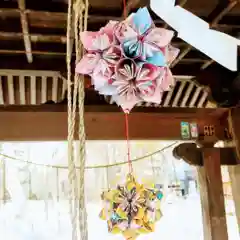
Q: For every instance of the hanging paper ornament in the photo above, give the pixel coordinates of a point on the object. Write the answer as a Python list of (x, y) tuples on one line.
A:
[(129, 60), (131, 209)]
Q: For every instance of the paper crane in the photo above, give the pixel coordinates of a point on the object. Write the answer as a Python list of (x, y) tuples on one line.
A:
[(219, 46)]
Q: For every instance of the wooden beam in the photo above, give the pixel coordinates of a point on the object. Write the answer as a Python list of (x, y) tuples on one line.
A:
[(214, 22), (59, 19), (25, 30), (49, 122), (34, 37), (215, 223), (191, 154)]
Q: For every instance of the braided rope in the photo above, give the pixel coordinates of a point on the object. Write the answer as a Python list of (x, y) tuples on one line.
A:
[(80, 26), (71, 127)]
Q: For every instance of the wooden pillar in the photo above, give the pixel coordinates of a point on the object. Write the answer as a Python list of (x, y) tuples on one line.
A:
[(214, 216), (204, 202), (234, 174), (208, 161)]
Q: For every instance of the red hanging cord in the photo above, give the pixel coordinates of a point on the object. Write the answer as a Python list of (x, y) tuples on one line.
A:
[(128, 143), (124, 8), (126, 113)]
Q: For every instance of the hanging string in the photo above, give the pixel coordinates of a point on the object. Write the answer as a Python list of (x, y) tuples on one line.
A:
[(94, 166), (126, 113), (124, 9), (128, 143)]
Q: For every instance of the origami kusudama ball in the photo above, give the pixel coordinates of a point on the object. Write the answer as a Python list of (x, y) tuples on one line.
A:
[(131, 209), (129, 60)]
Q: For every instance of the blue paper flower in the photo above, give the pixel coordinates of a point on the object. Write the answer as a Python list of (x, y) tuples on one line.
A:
[(143, 40)]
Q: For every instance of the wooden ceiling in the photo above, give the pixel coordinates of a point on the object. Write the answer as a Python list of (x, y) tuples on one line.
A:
[(33, 35)]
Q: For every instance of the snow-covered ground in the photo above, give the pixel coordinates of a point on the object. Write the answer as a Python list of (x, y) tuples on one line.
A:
[(181, 220)]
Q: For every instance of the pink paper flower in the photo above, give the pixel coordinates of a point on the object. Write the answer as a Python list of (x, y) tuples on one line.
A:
[(137, 83), (143, 41), (102, 55)]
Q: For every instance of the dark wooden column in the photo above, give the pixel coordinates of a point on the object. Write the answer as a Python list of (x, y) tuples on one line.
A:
[(234, 126), (215, 225), (234, 171), (208, 161)]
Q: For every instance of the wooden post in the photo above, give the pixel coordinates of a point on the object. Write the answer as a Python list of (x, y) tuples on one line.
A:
[(234, 174), (215, 226), (204, 202)]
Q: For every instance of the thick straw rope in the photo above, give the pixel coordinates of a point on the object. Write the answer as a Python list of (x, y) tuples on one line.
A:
[(76, 205), (80, 26), (81, 94), (71, 126)]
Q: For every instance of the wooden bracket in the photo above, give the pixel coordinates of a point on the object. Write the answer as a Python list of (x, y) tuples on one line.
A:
[(191, 154)]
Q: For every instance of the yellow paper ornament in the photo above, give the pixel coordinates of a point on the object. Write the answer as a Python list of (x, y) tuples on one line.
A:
[(131, 209)]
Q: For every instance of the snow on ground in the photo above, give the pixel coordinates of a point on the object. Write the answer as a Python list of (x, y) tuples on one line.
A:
[(181, 220)]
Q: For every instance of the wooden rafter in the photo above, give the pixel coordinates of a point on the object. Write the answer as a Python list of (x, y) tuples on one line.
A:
[(58, 19), (25, 30), (230, 6), (34, 37), (213, 23), (48, 29)]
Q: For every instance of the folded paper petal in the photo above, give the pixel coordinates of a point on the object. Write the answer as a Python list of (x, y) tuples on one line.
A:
[(112, 55), (141, 21), (159, 36), (107, 90), (99, 81), (146, 79), (130, 234), (167, 81), (171, 54), (132, 48), (108, 29), (88, 63), (86, 38), (157, 59), (95, 41), (124, 32)]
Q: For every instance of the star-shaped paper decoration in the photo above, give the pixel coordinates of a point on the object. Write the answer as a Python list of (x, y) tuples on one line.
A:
[(131, 209)]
